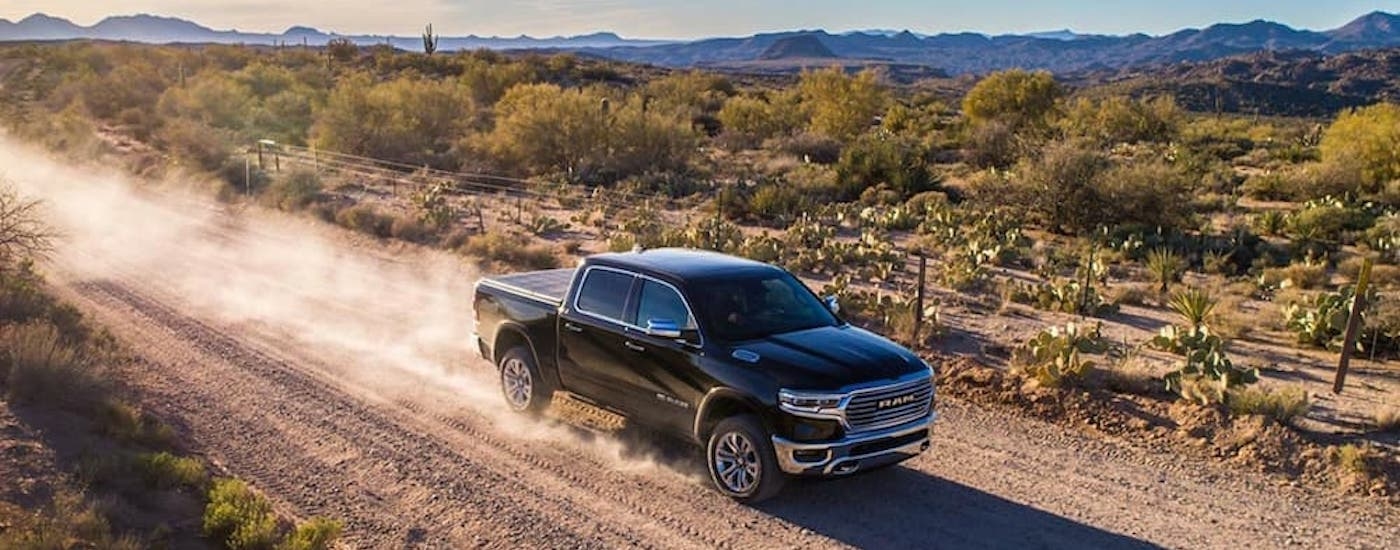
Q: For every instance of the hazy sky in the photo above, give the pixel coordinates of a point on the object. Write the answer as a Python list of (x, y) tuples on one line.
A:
[(695, 18)]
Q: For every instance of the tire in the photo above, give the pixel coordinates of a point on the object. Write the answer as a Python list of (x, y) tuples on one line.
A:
[(741, 460), (524, 390)]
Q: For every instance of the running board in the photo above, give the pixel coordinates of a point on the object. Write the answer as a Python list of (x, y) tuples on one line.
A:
[(580, 412)]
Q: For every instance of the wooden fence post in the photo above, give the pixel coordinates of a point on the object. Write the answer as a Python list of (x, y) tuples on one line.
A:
[(1358, 304)]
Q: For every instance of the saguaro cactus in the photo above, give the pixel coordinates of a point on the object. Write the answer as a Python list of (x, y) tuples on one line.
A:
[(430, 40)]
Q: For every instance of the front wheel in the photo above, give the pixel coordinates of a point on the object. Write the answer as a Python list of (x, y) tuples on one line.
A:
[(741, 460), (521, 384)]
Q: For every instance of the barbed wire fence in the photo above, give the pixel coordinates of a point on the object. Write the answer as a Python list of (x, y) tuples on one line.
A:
[(405, 181)]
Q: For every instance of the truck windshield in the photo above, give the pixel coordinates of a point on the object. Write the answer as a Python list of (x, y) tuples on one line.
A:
[(748, 308)]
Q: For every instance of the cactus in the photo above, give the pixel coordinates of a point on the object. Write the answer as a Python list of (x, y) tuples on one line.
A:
[(1056, 354), (430, 40)]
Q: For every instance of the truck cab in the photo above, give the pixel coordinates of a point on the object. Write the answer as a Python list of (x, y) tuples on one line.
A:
[(737, 356)]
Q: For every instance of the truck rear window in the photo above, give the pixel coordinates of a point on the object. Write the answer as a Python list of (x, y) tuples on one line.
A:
[(604, 293)]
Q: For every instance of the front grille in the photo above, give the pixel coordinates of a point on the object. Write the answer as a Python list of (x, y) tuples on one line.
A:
[(903, 402)]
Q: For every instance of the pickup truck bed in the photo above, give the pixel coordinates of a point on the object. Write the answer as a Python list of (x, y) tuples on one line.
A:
[(550, 285)]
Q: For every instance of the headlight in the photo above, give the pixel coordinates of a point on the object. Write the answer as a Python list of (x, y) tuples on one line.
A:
[(809, 403)]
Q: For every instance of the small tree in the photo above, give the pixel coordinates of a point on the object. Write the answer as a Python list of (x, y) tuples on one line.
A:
[(22, 235)]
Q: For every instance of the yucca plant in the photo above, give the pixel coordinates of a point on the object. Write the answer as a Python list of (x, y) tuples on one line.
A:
[(1194, 305), (1166, 267)]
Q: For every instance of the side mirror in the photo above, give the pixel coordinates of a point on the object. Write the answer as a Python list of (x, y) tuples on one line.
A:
[(663, 328), (832, 304)]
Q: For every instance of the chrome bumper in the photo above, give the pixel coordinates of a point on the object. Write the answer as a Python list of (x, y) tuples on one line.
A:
[(843, 457)]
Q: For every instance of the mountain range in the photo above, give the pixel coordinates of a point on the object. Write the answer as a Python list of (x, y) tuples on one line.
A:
[(166, 30), (955, 53)]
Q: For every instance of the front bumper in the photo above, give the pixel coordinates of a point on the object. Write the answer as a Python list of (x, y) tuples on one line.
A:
[(856, 452)]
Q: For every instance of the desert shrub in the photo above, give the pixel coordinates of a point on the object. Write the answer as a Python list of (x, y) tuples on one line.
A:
[(1283, 406), (166, 471), (1387, 420), (68, 521), (239, 518), (410, 229), (1305, 275), (589, 135), (1302, 182), (408, 119), (1166, 267), (993, 144), (313, 534), (1054, 356), (1327, 221), (365, 219), (1120, 119), (295, 191), (1368, 139), (809, 147), (510, 250), (871, 161), (1016, 97), (842, 106), (40, 366), (1059, 188)]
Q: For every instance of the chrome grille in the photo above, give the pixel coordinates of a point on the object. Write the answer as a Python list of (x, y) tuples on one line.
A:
[(905, 402)]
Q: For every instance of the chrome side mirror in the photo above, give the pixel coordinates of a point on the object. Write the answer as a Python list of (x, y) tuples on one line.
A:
[(663, 328), (832, 304)]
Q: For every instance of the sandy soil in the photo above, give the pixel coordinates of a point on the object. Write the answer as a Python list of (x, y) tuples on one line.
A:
[(336, 375)]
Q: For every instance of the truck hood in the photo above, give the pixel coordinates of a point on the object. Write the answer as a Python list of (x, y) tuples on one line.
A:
[(830, 358)]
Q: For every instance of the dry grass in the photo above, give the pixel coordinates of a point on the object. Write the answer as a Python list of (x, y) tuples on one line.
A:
[(1387, 420), (1300, 275), (1283, 406), (41, 366), (1130, 375), (510, 251), (68, 521)]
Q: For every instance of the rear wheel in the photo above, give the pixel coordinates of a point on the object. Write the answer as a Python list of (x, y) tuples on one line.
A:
[(741, 460), (522, 386)]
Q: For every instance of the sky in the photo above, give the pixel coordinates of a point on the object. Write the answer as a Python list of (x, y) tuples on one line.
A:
[(683, 19)]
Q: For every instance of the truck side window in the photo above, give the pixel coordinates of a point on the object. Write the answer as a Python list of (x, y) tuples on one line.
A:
[(604, 293), (658, 301)]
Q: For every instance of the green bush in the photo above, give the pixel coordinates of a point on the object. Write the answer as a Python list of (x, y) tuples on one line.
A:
[(166, 471), (895, 163), (314, 534), (1369, 140), (239, 518)]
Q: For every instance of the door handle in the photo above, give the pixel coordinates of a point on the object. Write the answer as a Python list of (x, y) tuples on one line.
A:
[(572, 327), (634, 346)]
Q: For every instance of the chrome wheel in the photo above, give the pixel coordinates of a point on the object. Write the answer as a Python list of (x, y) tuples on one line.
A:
[(516, 383), (737, 463)]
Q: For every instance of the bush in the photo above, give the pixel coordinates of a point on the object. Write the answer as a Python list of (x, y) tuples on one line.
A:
[(410, 229), (1016, 97), (810, 148), (315, 534), (842, 106), (1386, 420), (510, 250), (295, 191), (1303, 275), (367, 220), (895, 163), (1283, 406), (239, 518), (166, 471), (1369, 139), (41, 367)]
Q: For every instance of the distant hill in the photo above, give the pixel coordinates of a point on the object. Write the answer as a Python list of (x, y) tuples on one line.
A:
[(1059, 52), (805, 46), (164, 30), (1293, 83), (957, 53)]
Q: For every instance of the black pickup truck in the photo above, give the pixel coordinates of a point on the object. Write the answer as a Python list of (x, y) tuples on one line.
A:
[(735, 355)]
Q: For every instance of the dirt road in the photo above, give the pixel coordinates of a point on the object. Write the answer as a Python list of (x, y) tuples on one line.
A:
[(336, 375)]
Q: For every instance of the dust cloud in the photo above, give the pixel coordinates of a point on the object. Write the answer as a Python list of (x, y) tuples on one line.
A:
[(390, 322)]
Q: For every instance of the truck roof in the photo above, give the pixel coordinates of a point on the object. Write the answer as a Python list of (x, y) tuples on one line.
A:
[(680, 263)]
